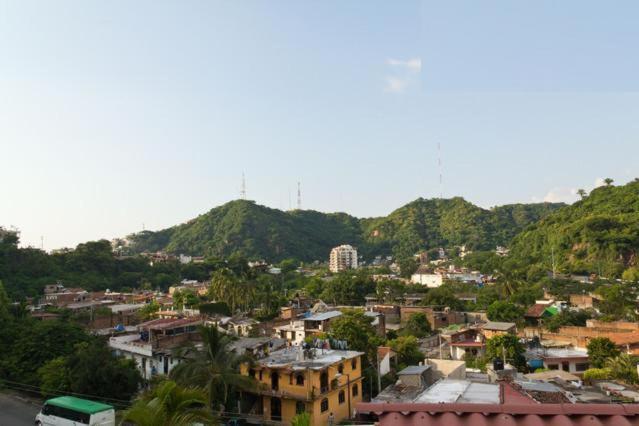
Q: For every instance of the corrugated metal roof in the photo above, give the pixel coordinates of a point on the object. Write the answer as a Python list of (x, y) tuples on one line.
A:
[(323, 316)]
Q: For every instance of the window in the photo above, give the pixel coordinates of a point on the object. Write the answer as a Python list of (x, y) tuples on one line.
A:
[(565, 366), (324, 405), (251, 373), (354, 363), (260, 374), (342, 397), (553, 366), (300, 407), (581, 366), (355, 390), (340, 369), (299, 380)]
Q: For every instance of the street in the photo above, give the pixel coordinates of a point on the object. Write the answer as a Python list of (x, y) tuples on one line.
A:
[(16, 412)]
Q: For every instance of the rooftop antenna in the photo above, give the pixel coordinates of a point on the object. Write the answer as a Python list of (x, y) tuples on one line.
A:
[(243, 190), (439, 164), (299, 197)]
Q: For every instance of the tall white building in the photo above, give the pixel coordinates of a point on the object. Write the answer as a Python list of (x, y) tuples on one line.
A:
[(343, 257)]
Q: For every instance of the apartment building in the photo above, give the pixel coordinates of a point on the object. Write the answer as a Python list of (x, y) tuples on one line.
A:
[(342, 258), (324, 383)]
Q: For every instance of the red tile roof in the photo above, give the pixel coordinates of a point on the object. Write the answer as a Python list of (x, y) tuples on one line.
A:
[(516, 409), (535, 311)]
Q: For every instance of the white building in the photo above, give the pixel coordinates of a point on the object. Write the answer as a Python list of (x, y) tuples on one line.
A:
[(342, 258), (424, 276)]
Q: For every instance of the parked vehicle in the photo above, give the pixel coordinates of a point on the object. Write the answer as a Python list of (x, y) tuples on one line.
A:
[(71, 411)]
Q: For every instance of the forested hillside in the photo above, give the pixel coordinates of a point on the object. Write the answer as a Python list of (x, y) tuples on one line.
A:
[(599, 234), (259, 231)]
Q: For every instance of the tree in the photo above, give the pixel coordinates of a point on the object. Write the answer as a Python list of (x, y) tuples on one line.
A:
[(302, 419), (5, 304), (504, 311), (508, 345), (582, 193), (600, 349), (631, 274), (169, 404), (417, 325), (608, 181), (566, 318), (214, 367), (597, 374), (355, 327), (623, 367), (348, 288), (442, 296), (407, 348), (54, 377), (91, 370)]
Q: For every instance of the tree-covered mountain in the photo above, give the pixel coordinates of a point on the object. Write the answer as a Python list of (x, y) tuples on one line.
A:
[(599, 234), (261, 232)]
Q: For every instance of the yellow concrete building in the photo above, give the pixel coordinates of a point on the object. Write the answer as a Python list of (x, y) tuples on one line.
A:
[(316, 381)]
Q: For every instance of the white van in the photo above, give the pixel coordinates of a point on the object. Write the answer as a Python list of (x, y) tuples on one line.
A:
[(71, 411)]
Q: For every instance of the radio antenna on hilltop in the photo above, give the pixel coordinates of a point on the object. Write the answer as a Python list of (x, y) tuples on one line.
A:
[(299, 197), (441, 174), (243, 190)]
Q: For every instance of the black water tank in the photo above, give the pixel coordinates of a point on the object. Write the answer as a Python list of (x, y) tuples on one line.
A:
[(498, 364)]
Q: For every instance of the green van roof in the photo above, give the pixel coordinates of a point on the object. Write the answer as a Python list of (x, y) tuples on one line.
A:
[(81, 405)]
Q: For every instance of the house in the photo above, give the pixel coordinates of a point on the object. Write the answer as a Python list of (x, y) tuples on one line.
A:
[(319, 323), (495, 328), (315, 381), (436, 318), (574, 361), (539, 312), (466, 342), (152, 346), (292, 332), (425, 276), (386, 357), (585, 301)]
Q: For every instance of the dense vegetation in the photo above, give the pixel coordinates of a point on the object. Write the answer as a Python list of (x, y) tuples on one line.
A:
[(262, 232), (598, 234), (92, 266), (59, 357)]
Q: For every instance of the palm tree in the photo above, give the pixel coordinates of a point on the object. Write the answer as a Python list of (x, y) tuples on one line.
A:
[(608, 181), (224, 287), (169, 404), (623, 367), (214, 367)]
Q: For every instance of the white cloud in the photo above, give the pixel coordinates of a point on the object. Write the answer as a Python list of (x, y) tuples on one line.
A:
[(599, 182), (412, 64), (402, 74), (395, 85), (561, 195)]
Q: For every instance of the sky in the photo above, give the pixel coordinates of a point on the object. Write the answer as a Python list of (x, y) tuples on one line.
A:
[(118, 116)]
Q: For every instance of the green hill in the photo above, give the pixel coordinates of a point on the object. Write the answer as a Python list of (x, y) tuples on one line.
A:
[(599, 234), (261, 232)]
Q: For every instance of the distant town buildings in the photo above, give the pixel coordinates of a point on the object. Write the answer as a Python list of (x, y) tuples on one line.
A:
[(342, 258)]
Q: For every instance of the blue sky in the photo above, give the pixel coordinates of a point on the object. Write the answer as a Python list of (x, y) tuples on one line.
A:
[(118, 114)]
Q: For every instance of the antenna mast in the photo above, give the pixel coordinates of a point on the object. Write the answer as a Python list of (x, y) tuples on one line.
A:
[(299, 197), (439, 164), (243, 190)]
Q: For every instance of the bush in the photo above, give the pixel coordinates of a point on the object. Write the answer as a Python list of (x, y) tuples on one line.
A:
[(597, 374)]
